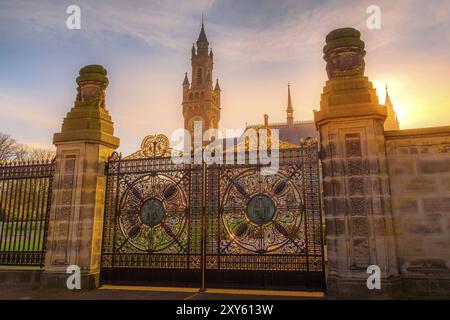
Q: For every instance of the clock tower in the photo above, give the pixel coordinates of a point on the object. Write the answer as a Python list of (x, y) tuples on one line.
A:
[(201, 100)]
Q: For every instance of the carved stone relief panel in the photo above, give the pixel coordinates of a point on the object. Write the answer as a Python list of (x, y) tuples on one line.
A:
[(64, 210)]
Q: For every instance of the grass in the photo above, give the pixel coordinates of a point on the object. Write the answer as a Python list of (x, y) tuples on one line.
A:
[(18, 236)]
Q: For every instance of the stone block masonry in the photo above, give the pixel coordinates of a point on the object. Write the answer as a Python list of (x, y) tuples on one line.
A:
[(419, 170), (84, 144), (355, 174)]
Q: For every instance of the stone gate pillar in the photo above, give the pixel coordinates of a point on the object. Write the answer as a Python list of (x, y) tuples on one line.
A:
[(76, 217), (355, 177)]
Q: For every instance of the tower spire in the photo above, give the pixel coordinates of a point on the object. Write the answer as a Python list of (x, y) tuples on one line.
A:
[(201, 99), (388, 99), (202, 42), (186, 80), (290, 109), (391, 122), (217, 87)]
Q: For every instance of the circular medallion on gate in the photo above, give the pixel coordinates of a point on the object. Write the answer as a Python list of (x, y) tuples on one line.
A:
[(152, 212), (262, 213), (260, 209)]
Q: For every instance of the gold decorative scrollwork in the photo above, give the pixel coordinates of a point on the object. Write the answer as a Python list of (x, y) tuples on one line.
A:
[(115, 156), (153, 146)]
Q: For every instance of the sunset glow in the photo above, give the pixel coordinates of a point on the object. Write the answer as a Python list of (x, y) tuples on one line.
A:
[(257, 52), (224, 150)]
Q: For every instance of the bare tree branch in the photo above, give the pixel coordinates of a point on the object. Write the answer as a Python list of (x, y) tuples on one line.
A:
[(8, 147), (40, 153), (11, 150)]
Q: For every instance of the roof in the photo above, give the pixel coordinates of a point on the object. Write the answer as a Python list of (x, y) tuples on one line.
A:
[(293, 133), (202, 35)]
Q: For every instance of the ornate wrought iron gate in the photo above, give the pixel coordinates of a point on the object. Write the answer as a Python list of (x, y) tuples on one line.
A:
[(214, 226), (152, 227)]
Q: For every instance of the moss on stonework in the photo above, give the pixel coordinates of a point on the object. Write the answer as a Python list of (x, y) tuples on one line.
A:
[(344, 37), (93, 68), (343, 42), (343, 33), (88, 120), (92, 77), (93, 103)]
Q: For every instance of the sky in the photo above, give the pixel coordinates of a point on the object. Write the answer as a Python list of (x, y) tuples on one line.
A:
[(259, 46)]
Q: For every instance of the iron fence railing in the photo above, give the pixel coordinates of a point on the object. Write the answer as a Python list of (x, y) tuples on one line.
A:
[(25, 196)]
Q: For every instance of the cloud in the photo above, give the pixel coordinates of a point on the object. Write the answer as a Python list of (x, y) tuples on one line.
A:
[(162, 23), (259, 45), (16, 107), (270, 31)]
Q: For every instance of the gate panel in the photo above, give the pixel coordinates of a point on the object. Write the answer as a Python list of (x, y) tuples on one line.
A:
[(214, 226), (265, 231), (152, 222)]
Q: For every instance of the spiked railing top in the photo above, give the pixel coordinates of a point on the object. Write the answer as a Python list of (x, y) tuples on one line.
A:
[(26, 162)]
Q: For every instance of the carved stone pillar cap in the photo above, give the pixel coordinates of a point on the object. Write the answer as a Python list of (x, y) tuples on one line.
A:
[(344, 53), (343, 37), (88, 120), (93, 72)]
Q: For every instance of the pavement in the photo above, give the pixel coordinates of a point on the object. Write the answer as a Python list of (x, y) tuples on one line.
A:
[(152, 293)]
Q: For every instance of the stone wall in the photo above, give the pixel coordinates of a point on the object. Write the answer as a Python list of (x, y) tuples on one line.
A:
[(419, 170)]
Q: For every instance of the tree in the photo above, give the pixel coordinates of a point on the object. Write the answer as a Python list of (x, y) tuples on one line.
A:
[(8, 147), (11, 150), (25, 190), (25, 152), (21, 152)]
